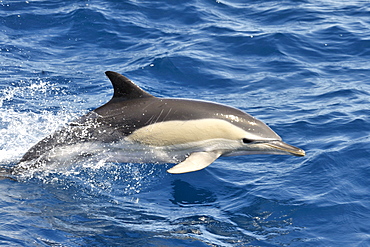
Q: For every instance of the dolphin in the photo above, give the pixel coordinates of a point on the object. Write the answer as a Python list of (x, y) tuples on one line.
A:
[(137, 127)]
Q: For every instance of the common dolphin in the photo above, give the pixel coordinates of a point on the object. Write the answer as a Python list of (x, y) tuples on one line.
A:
[(135, 126)]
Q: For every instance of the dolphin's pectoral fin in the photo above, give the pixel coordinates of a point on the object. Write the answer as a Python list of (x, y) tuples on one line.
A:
[(195, 162)]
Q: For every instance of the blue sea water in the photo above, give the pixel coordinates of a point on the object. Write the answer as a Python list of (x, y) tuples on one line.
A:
[(303, 67)]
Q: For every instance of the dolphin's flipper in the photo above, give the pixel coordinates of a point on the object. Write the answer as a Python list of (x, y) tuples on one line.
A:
[(195, 162)]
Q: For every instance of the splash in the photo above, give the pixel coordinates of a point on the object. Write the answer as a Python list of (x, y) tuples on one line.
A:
[(22, 123)]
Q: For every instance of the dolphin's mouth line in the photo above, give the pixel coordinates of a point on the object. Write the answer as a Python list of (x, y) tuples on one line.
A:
[(286, 148)]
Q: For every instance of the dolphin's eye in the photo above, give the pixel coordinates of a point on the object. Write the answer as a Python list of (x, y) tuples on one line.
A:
[(246, 141)]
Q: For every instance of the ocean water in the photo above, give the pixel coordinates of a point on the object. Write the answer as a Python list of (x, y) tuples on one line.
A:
[(302, 67)]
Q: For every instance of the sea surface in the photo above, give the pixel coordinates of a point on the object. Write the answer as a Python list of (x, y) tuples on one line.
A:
[(301, 66)]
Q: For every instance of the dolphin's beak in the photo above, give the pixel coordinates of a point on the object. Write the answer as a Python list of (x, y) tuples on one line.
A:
[(286, 148)]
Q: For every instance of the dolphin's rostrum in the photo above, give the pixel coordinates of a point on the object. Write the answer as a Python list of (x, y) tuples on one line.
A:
[(135, 126)]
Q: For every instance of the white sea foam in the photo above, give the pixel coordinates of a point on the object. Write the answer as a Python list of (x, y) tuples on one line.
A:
[(20, 126)]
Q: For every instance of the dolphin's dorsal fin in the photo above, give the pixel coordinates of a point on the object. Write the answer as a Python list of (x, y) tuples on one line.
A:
[(124, 89)]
